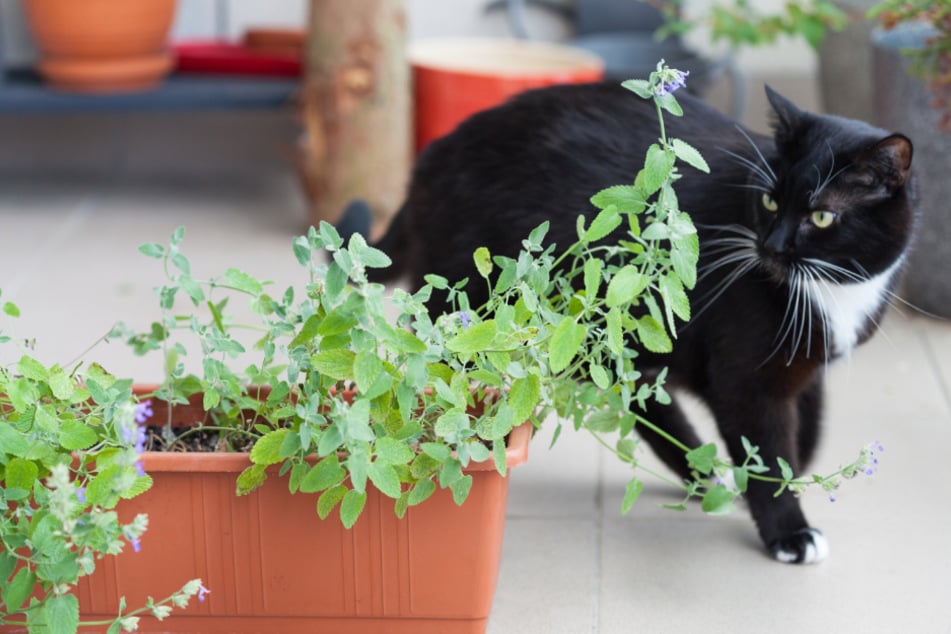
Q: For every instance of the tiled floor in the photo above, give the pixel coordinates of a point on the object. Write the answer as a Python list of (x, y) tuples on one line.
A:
[(72, 216)]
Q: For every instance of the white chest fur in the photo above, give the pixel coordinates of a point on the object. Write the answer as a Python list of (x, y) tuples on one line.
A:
[(846, 308)]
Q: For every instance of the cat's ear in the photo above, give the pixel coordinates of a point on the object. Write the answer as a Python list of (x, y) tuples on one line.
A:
[(788, 115), (890, 159)]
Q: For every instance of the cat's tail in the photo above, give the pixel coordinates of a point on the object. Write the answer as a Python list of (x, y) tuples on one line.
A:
[(357, 219)]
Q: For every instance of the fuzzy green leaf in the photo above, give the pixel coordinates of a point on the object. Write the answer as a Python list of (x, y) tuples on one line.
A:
[(392, 451), (523, 397), (329, 499), (717, 501), (250, 479), (21, 474), (421, 491), (475, 338), (701, 459), (18, 590), (323, 475), (483, 261), (626, 198), (603, 224), (657, 168), (337, 364), (592, 277), (242, 281), (688, 154), (385, 478), (75, 435), (626, 285), (351, 507), (565, 343), (267, 449), (460, 488), (631, 492), (653, 335), (638, 86)]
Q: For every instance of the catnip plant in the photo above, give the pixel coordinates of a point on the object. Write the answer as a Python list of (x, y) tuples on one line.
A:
[(364, 388)]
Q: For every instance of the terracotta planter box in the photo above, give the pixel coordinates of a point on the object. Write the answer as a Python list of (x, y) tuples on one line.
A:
[(273, 566)]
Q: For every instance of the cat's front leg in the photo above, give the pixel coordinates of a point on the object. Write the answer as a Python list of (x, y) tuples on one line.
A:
[(772, 425)]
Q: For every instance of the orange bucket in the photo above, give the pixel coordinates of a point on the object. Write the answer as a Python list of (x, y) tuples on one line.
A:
[(456, 77)]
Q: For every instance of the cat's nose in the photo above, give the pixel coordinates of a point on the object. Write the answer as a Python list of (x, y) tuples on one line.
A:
[(778, 242)]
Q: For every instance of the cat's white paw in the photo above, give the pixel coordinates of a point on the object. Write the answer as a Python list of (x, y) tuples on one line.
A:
[(806, 546)]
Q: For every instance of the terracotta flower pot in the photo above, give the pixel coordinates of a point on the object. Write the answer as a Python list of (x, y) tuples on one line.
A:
[(273, 566), (102, 45)]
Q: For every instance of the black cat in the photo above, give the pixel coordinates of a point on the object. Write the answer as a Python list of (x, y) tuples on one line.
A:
[(802, 236)]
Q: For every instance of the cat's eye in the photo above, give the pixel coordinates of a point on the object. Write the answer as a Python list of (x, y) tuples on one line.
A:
[(768, 203), (823, 219)]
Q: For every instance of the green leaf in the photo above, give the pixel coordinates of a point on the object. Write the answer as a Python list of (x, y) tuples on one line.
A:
[(329, 499), (592, 277), (460, 488), (337, 321), (392, 451), (565, 343), (152, 249), (267, 449), (483, 261), (603, 224), (669, 103), (308, 331), (785, 469), (62, 614), (385, 478), (524, 396), (140, 486), (243, 282), (684, 255), (718, 501), (653, 336), (640, 87), (351, 507), (337, 364), (475, 338), (18, 590), (325, 474), (599, 375), (436, 451), (657, 168), (75, 435), (421, 491), (249, 479), (11, 309), (626, 285), (741, 476), (689, 155), (451, 423), (631, 492), (626, 198), (12, 442), (615, 331), (405, 341), (32, 369), (675, 300), (702, 458)]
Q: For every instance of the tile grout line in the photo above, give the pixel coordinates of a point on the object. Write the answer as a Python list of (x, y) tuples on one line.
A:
[(74, 218)]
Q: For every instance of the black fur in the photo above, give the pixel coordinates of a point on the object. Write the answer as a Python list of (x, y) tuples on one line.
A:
[(543, 154)]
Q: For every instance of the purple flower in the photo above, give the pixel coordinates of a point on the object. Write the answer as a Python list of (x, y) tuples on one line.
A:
[(140, 468), (202, 591), (464, 318), (143, 411), (81, 494), (671, 81), (136, 544)]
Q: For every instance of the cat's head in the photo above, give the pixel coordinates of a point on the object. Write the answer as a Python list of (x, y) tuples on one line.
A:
[(837, 196)]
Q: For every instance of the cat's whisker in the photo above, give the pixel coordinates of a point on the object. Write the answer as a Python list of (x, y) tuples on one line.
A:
[(758, 153), (768, 179), (731, 258), (759, 188), (732, 228), (710, 297), (816, 278)]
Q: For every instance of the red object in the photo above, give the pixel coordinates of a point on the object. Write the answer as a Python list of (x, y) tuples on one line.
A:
[(229, 58), (457, 77)]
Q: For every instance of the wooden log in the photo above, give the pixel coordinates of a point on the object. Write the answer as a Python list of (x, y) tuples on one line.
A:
[(356, 108)]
